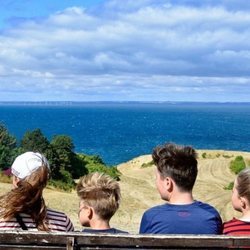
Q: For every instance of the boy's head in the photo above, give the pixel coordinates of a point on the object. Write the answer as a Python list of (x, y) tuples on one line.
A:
[(101, 193), (177, 162)]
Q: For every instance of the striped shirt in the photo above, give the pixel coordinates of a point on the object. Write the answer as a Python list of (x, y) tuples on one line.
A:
[(236, 227), (57, 222)]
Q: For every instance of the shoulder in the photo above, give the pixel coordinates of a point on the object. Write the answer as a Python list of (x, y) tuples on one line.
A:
[(59, 221), (52, 212), (207, 208), (155, 212), (157, 209), (232, 221), (117, 231)]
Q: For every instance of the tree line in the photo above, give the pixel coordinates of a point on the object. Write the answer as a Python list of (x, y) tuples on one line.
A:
[(65, 164)]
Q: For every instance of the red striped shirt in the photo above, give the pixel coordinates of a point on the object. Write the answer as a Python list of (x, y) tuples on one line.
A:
[(57, 221), (236, 227)]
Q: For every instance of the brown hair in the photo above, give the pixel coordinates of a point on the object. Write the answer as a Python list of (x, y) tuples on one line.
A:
[(177, 162), (27, 198), (101, 192), (243, 183)]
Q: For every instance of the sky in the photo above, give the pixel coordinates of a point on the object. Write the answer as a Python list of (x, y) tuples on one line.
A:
[(125, 50)]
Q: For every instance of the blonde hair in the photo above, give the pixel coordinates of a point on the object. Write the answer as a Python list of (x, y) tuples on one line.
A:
[(27, 198), (101, 192), (243, 183)]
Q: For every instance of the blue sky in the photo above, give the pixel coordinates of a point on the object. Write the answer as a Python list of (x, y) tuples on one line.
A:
[(125, 50)]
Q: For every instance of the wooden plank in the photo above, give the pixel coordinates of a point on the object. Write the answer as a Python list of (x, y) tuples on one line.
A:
[(27, 239), (159, 241), (78, 240), (30, 247)]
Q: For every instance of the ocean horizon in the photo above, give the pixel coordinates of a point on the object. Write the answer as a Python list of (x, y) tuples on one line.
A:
[(120, 131)]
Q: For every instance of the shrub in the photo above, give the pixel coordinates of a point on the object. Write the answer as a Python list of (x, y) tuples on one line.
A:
[(111, 171), (237, 164), (147, 164), (226, 156), (229, 186), (94, 163), (5, 178), (204, 155), (62, 186)]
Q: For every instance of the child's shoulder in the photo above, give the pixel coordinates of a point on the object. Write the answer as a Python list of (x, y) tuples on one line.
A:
[(207, 207)]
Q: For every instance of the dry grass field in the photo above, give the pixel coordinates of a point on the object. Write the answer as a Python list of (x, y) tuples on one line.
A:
[(139, 192)]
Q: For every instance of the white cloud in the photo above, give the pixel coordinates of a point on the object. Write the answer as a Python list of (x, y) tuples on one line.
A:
[(145, 51)]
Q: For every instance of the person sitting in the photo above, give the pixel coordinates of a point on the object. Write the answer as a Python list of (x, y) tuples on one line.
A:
[(241, 203), (176, 171), (99, 200), (24, 207)]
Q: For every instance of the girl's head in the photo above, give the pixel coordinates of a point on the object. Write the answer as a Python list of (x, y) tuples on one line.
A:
[(26, 164), (241, 190), (30, 175)]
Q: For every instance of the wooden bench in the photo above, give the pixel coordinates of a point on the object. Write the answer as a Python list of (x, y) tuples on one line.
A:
[(40, 240)]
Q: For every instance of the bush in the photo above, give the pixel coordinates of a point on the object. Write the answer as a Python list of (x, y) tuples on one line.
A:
[(229, 186), (94, 163), (5, 178), (111, 171), (204, 155), (226, 156), (62, 186), (147, 164), (237, 164)]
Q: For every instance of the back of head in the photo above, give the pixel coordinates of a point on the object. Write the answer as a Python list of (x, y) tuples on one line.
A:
[(32, 173), (101, 192), (243, 183), (177, 162)]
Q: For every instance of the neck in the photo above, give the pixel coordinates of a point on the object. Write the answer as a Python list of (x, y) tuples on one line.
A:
[(99, 224), (245, 215), (181, 198)]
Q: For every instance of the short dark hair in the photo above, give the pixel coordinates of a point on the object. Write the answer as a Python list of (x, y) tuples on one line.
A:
[(177, 162)]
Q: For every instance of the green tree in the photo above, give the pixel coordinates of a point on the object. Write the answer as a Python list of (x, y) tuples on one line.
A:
[(63, 146), (34, 141), (54, 162), (8, 150), (67, 158)]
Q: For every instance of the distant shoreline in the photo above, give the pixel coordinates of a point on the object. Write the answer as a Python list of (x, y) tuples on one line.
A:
[(76, 103)]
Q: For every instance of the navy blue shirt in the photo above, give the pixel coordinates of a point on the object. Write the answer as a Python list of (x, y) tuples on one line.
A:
[(110, 231), (195, 218)]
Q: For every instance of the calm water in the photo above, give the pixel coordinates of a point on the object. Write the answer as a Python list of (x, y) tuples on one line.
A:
[(119, 132)]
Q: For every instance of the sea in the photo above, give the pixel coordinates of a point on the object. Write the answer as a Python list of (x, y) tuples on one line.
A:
[(120, 131)]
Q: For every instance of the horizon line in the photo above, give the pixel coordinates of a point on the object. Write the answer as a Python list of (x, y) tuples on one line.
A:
[(122, 102)]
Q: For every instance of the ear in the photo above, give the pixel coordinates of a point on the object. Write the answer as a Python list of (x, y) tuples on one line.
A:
[(243, 202), (168, 184), (90, 213), (15, 181)]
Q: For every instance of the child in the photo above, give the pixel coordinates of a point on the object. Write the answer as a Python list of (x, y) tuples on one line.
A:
[(241, 203), (99, 200), (24, 207), (176, 171)]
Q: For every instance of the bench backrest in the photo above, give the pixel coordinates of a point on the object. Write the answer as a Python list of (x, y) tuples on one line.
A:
[(77, 240)]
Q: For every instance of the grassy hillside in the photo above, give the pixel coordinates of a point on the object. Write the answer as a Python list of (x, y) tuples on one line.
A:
[(139, 192)]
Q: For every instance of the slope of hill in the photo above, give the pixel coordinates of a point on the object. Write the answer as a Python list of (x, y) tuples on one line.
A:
[(139, 192)]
